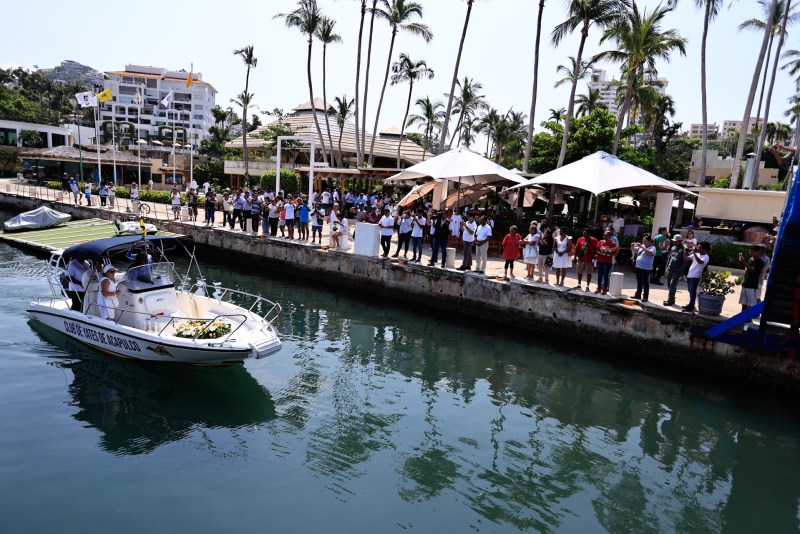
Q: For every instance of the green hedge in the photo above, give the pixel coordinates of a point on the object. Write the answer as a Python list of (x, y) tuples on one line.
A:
[(290, 181)]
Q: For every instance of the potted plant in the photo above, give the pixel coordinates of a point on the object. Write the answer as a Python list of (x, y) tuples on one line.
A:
[(715, 285)]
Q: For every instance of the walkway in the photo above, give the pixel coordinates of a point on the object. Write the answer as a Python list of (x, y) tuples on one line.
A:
[(162, 213)]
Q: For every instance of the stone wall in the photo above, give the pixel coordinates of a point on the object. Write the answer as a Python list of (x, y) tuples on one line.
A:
[(613, 328)]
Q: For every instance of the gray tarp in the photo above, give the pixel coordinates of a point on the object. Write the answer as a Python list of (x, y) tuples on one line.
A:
[(43, 217)]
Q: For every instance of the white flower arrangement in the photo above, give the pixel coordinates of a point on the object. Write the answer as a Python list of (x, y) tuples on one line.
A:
[(191, 328)]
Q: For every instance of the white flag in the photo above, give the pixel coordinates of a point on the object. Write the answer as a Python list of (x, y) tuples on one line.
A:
[(137, 98), (86, 99), (167, 100)]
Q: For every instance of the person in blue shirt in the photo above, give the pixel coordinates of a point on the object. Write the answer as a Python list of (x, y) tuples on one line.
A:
[(304, 217), (238, 207)]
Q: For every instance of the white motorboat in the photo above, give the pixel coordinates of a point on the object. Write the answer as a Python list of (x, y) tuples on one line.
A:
[(134, 228), (156, 317), (41, 217)]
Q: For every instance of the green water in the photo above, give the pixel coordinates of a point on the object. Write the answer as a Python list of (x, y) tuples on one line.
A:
[(376, 417)]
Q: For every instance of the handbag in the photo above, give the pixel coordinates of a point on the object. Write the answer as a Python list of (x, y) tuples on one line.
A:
[(548, 261)]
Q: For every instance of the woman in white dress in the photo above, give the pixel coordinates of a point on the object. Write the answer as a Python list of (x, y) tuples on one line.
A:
[(112, 194), (530, 252), (562, 256), (107, 293)]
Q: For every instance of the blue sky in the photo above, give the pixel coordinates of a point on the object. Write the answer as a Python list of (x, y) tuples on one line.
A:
[(498, 50)]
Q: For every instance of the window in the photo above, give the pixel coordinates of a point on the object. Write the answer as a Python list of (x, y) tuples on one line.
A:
[(198, 107), (59, 140), (198, 117), (152, 83), (8, 137)]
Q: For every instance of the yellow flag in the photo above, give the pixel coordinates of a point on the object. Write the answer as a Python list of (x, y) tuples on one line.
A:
[(189, 80), (104, 96)]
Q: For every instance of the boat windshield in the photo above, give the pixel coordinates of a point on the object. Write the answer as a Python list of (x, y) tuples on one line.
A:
[(150, 276)]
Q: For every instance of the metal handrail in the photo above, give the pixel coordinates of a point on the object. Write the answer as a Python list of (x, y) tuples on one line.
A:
[(271, 314)]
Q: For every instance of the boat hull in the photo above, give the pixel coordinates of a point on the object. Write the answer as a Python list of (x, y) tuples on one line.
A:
[(126, 342)]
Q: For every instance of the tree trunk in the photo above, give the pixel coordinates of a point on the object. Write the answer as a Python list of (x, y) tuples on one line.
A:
[(567, 121), (380, 101), (325, 101), (341, 129), (762, 133), (443, 137), (625, 104), (405, 118), (457, 129), (359, 152), (366, 84), (529, 140), (764, 85), (737, 161), (244, 126), (704, 96), (313, 109)]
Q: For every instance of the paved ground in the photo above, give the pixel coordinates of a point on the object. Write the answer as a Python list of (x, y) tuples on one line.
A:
[(163, 212)]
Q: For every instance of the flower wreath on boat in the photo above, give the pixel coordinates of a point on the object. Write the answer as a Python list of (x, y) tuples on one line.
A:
[(191, 328)]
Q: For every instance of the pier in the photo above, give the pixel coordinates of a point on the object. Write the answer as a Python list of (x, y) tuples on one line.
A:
[(615, 326)]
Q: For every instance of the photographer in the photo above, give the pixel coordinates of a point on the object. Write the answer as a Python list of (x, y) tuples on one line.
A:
[(643, 254)]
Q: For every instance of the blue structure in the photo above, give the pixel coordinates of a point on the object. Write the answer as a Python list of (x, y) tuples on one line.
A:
[(781, 305)]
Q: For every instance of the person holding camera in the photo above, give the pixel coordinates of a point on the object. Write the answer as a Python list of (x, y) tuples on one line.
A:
[(753, 266), (699, 257), (644, 253)]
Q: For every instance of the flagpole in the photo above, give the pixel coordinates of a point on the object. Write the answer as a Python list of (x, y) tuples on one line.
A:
[(114, 151), (174, 163), (97, 138), (191, 144), (138, 137), (80, 146)]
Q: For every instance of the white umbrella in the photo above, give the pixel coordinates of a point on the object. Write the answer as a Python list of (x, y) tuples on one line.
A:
[(630, 201), (468, 195), (141, 142), (418, 191), (157, 142), (458, 165), (601, 172)]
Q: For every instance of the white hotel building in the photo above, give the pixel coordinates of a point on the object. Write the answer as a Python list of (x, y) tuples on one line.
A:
[(192, 106)]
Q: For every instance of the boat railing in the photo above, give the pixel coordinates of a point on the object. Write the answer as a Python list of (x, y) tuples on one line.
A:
[(273, 309), (158, 324)]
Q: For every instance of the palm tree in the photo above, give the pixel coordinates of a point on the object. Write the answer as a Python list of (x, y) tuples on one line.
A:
[(488, 125), (430, 116), (342, 110), (759, 26), (639, 42), (399, 14), (467, 103), (244, 101), (250, 62), (326, 36), (451, 94), (406, 70), (307, 18), (712, 8), (573, 73), (30, 138), (557, 115), (372, 11), (748, 108), (509, 129), (583, 13), (784, 21), (529, 139), (589, 102), (359, 154)]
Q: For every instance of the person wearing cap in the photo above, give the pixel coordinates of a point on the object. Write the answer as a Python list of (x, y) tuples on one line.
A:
[(676, 263), (107, 293), (191, 202), (76, 192)]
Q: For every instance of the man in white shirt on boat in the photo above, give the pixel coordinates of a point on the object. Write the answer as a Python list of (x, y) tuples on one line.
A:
[(75, 289)]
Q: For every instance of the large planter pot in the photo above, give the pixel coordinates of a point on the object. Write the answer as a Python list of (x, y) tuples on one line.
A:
[(710, 304)]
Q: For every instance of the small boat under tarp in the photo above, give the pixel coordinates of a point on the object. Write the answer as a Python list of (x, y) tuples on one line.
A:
[(37, 219), (134, 228)]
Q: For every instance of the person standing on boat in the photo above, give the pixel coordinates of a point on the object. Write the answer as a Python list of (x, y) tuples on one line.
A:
[(75, 289), (107, 293)]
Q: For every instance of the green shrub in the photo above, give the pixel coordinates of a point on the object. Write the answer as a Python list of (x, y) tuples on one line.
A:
[(727, 255), (290, 181)]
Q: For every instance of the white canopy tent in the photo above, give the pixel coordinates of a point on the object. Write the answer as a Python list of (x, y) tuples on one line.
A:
[(601, 172), (626, 200), (459, 166)]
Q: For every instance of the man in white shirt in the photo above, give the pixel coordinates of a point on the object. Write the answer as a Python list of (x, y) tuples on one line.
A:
[(699, 258), (75, 290), (288, 209), (387, 230), (470, 229), (417, 225), (206, 186), (482, 235), (326, 200)]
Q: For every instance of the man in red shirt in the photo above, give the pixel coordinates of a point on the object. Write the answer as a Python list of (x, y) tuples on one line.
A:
[(606, 250), (585, 250)]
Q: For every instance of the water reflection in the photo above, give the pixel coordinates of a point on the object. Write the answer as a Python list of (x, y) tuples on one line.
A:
[(138, 407)]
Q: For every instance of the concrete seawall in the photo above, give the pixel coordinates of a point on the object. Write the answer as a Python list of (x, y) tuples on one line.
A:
[(612, 327)]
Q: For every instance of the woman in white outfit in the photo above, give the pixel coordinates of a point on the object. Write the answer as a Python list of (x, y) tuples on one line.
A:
[(562, 257), (530, 252), (107, 293)]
